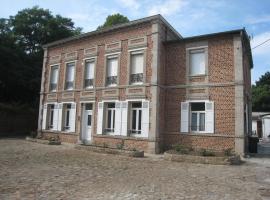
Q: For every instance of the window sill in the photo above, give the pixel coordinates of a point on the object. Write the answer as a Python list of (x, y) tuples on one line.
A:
[(197, 75)]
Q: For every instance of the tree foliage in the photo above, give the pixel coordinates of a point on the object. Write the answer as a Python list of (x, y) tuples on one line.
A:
[(21, 40), (114, 19), (261, 94)]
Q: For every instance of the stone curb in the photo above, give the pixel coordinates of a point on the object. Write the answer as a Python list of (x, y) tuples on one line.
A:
[(214, 160), (97, 149)]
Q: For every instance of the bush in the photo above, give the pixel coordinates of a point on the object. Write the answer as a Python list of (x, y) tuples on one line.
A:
[(205, 152), (120, 146), (228, 152), (182, 149)]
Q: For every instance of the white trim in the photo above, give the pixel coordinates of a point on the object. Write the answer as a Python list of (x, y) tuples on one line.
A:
[(197, 47), (138, 49), (112, 54)]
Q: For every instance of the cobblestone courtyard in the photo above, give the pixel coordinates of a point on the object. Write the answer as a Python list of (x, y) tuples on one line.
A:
[(36, 171)]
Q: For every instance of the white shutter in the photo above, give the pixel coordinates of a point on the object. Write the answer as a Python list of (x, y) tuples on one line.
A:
[(100, 118), (112, 65), (60, 113), (72, 117), (145, 118), (209, 118), (137, 63), (124, 118), (55, 117), (44, 117), (117, 129), (184, 117)]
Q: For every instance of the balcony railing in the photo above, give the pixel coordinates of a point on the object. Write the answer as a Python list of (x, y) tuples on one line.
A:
[(111, 80), (136, 78), (88, 83)]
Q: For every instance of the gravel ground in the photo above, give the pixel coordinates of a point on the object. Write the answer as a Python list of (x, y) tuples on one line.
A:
[(37, 171)]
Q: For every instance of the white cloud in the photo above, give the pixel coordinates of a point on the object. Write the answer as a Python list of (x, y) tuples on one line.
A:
[(264, 49), (258, 19), (168, 7), (131, 4)]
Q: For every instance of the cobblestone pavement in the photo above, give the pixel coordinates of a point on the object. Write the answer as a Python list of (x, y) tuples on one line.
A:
[(37, 171)]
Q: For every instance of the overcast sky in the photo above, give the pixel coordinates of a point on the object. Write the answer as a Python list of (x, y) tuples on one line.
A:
[(188, 17)]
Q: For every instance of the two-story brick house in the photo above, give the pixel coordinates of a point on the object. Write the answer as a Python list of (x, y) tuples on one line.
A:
[(142, 85)]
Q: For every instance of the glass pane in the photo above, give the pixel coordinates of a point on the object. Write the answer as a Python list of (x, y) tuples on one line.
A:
[(67, 118), (111, 105), (70, 72), (112, 65), (137, 105), (68, 106), (89, 70), (88, 106), (140, 120), (113, 118), (109, 119), (202, 122), (51, 117), (194, 121), (89, 118), (137, 63), (197, 106), (197, 63), (54, 75), (133, 119)]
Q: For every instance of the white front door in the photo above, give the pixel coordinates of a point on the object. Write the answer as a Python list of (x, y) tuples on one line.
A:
[(87, 122)]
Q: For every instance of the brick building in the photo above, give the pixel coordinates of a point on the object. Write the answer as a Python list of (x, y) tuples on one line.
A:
[(142, 85)]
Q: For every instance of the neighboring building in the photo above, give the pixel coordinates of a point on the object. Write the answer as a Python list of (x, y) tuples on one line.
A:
[(143, 85), (261, 124)]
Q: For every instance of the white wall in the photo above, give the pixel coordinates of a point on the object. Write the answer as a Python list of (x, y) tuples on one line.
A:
[(254, 126), (266, 126)]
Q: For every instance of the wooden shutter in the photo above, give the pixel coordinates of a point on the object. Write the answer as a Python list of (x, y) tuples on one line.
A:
[(209, 117), (44, 117), (100, 118), (72, 117), (145, 118), (124, 118), (60, 114), (117, 129), (55, 117), (184, 117)]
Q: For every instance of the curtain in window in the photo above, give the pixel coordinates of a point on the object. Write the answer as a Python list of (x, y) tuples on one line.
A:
[(197, 63), (54, 75), (112, 65), (89, 70), (70, 72), (136, 63)]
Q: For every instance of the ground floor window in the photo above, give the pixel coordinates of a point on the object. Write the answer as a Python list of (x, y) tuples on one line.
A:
[(110, 117), (67, 110), (136, 118), (50, 117), (197, 117)]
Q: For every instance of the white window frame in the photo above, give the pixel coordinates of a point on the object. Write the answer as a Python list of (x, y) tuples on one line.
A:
[(136, 52), (74, 79), (194, 51), (91, 60), (198, 121), (66, 128), (50, 82), (106, 131), (50, 117), (108, 57), (137, 110)]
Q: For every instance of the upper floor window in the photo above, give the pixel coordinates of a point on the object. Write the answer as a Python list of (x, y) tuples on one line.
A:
[(70, 73), (197, 62), (137, 62), (89, 73), (112, 67), (54, 78), (197, 117)]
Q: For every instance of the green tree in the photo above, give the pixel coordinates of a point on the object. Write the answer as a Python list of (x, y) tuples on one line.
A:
[(261, 94), (114, 19), (21, 40)]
